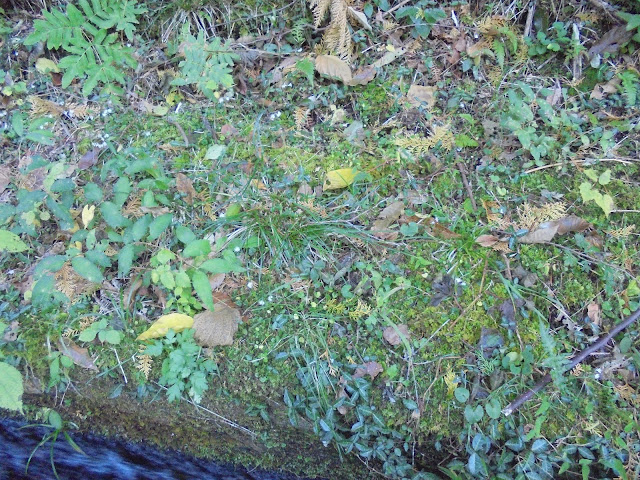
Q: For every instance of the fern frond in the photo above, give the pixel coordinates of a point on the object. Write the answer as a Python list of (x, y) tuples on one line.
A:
[(301, 116), (320, 9)]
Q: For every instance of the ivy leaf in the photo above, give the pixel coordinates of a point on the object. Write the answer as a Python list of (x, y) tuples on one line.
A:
[(201, 285), (473, 415), (87, 269), (605, 202)]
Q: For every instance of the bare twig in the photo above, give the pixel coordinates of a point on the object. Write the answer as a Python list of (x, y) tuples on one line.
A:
[(467, 187), (180, 129), (529, 23), (518, 402)]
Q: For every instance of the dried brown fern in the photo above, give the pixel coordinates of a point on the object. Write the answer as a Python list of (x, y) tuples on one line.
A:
[(336, 38)]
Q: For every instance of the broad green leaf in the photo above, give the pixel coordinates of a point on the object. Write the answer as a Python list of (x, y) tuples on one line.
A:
[(473, 415), (87, 269), (197, 248), (110, 336), (215, 265), (202, 287), (341, 178), (17, 123), (493, 408), (185, 235), (65, 220), (93, 193), (10, 242), (159, 225), (139, 228), (174, 321), (125, 260), (111, 214), (11, 388)]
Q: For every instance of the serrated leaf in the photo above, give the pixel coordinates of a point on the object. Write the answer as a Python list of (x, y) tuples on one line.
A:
[(11, 388), (10, 242), (87, 269), (201, 285), (125, 260), (197, 248), (588, 193), (111, 214), (159, 225), (174, 321), (185, 234)]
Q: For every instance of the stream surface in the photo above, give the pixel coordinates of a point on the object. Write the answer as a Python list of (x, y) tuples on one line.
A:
[(106, 459)]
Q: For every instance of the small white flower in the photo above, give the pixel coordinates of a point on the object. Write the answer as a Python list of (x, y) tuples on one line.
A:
[(236, 249), (270, 298), (261, 303), (250, 285)]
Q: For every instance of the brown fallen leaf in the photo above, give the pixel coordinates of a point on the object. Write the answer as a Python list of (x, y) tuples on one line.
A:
[(419, 95), (229, 130), (439, 230), (217, 327), (89, 159), (394, 334), (363, 76), (593, 312), (185, 186), (80, 356), (543, 234), (5, 177), (387, 216), (487, 240), (369, 368), (333, 67), (547, 230)]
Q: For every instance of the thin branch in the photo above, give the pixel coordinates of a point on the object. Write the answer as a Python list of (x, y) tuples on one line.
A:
[(525, 397)]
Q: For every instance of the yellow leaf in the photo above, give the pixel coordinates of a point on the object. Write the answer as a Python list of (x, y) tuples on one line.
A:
[(340, 178), (87, 214), (159, 328), (44, 65)]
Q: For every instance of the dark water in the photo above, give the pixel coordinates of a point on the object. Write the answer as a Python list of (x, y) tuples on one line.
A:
[(106, 459)]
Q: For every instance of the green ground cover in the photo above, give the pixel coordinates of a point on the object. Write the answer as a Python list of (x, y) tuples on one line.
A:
[(380, 224)]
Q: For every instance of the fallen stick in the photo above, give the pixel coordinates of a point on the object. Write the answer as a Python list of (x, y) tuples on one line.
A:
[(525, 397)]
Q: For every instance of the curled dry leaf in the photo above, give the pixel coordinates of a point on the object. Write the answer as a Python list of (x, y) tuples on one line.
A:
[(80, 356), (333, 67), (547, 230), (175, 321), (185, 186), (387, 216), (394, 334)]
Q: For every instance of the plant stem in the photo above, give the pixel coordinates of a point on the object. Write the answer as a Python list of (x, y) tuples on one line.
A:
[(525, 397)]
